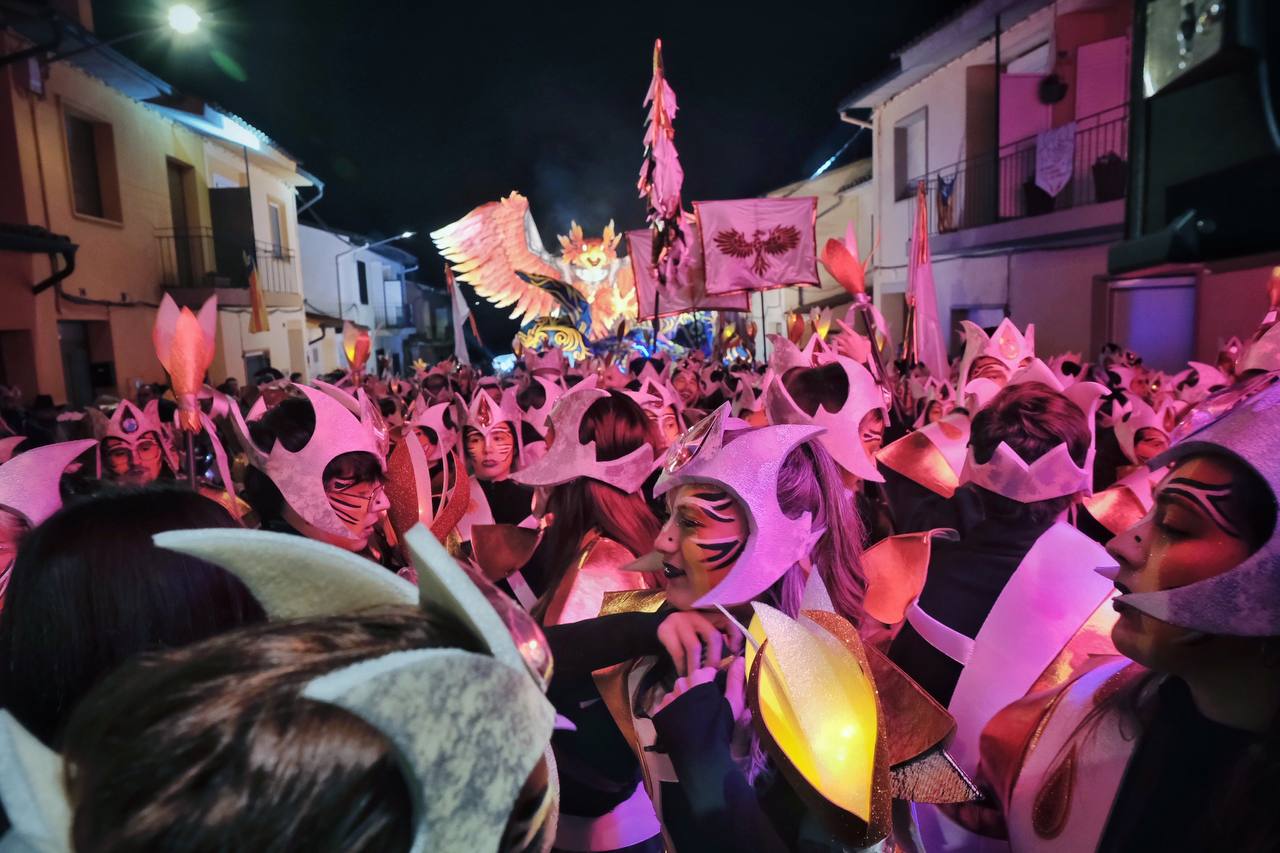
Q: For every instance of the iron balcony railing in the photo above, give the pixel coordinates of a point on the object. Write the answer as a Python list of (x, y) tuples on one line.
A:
[(202, 258), (986, 190)]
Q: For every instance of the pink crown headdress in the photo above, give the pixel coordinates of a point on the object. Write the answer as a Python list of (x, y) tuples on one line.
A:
[(1053, 475), (29, 481), (1139, 417), (551, 359), (1068, 367), (567, 458), (657, 394), (300, 476), (130, 424), (537, 417), (749, 399), (747, 467), (1198, 381), (432, 417), (840, 436), (1008, 346)]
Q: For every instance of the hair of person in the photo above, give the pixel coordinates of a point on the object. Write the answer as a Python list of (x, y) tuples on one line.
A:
[(618, 426), (211, 748), (811, 387), (89, 590), (531, 396), (292, 422), (1032, 419), (809, 481)]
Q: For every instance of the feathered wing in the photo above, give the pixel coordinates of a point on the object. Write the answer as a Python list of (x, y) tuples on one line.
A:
[(782, 239), (733, 243), (489, 245)]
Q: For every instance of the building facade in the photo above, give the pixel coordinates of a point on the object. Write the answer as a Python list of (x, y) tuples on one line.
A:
[(159, 193), (349, 277)]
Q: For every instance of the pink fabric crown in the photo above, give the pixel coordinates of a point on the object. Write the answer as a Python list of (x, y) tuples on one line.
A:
[(840, 436), (129, 424), (537, 417), (1054, 474), (300, 476), (747, 468), (568, 459), (432, 418), (29, 481), (1007, 345)]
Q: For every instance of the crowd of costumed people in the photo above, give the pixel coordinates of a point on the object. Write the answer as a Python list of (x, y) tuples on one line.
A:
[(649, 601)]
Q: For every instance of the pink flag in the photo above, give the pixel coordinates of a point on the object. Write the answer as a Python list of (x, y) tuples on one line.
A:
[(758, 243), (923, 298), (686, 291)]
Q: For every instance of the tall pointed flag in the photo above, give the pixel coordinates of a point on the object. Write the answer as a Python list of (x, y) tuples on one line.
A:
[(258, 321), (461, 311), (922, 298)]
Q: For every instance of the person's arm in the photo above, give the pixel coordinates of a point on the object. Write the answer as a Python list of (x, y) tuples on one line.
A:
[(695, 729), (688, 637), (580, 648)]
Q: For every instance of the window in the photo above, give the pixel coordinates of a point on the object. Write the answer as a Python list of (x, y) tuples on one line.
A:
[(275, 218), (362, 276), (91, 161), (910, 164)]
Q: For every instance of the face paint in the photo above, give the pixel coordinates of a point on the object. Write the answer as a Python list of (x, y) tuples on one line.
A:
[(133, 465), (357, 503), (491, 458), (987, 367), (668, 425), (871, 432), (1189, 535), (1149, 443), (701, 541)]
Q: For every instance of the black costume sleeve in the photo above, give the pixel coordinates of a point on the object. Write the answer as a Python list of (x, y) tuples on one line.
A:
[(580, 648), (724, 812)]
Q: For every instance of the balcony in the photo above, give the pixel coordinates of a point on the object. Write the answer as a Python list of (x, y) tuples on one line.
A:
[(199, 258), (988, 191)]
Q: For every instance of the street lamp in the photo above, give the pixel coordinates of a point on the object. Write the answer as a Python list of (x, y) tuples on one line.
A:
[(183, 19)]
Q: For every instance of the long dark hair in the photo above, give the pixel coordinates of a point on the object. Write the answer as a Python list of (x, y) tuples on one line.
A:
[(618, 426), (212, 748), (89, 590)]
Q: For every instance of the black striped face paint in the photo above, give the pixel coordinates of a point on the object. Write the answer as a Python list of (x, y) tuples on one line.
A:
[(353, 502), (703, 539)]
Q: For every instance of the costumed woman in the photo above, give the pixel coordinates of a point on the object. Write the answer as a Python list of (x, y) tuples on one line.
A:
[(590, 498), (317, 469), (759, 517), (491, 437), (1172, 747)]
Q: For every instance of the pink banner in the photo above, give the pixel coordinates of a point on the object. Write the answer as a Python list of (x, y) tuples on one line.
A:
[(686, 292), (758, 243)]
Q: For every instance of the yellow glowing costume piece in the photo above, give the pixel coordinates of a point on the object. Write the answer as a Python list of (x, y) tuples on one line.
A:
[(819, 706)]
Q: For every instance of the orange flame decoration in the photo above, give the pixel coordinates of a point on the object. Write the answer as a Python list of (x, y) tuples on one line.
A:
[(841, 260), (184, 344), (795, 327), (356, 344)]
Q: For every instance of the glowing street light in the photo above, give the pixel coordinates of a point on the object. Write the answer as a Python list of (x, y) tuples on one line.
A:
[(184, 19)]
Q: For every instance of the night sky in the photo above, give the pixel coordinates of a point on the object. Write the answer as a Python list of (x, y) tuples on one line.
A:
[(413, 113)]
